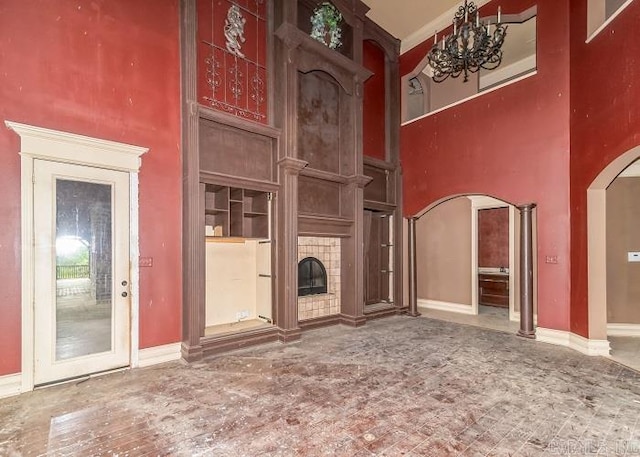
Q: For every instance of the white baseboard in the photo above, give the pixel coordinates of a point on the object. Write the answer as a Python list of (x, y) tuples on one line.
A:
[(10, 385), (159, 354), (557, 337), (623, 329), (573, 341), (590, 347), (445, 306)]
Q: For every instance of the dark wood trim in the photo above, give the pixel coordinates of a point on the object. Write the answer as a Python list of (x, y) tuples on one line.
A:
[(241, 124), (391, 310), (413, 272), (318, 322), (391, 47), (286, 273), (289, 335), (374, 162), (193, 260), (324, 175), (353, 321), (388, 42), (361, 10), (359, 180), (398, 267), (216, 344), (321, 57), (291, 52), (379, 206), (527, 329), (271, 63), (236, 181), (292, 165), (191, 353), (351, 11), (326, 226)]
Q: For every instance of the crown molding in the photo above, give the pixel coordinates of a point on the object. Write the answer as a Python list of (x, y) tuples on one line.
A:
[(47, 144)]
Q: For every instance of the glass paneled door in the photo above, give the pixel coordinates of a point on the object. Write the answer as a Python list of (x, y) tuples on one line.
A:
[(82, 303)]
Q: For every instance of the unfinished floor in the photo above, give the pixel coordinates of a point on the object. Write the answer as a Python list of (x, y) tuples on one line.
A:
[(398, 386)]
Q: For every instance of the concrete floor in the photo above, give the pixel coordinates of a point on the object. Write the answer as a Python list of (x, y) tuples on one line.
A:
[(490, 317), (624, 349), (397, 386)]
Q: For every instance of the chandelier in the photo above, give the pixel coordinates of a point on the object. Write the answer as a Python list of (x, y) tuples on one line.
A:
[(472, 45)]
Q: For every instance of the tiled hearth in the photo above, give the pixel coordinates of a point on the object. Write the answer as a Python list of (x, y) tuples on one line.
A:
[(327, 251)]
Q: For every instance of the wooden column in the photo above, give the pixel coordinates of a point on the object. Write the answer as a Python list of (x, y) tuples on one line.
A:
[(193, 261), (286, 108), (393, 127), (287, 246), (527, 329), (413, 270), (352, 258)]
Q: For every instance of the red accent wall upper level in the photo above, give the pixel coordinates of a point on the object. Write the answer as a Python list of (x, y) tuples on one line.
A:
[(227, 82), (605, 123), (374, 101), (111, 70), (513, 144)]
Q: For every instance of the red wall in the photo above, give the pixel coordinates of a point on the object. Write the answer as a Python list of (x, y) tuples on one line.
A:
[(493, 237), (605, 123), (234, 85), (107, 69), (374, 120), (512, 144)]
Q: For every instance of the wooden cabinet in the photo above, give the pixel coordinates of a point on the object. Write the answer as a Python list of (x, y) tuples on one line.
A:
[(236, 212), (493, 289)]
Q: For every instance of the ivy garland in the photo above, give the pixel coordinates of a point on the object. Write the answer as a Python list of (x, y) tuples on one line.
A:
[(325, 24)]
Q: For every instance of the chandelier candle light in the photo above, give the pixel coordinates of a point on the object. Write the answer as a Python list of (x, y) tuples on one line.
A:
[(471, 47)]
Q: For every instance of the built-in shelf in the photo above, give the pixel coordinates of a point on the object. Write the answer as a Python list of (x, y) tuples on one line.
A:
[(225, 239), (236, 212)]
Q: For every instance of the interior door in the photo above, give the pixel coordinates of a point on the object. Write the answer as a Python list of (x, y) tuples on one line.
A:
[(81, 275), (376, 257)]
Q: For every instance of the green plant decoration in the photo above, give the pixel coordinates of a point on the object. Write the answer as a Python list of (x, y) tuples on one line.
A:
[(325, 25)]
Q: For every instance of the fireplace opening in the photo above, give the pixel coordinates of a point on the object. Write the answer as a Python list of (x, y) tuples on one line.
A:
[(312, 277)]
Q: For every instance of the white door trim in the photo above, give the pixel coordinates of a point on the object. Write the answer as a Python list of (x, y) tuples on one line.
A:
[(53, 145)]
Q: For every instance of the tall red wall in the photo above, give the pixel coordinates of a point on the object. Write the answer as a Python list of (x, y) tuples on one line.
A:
[(374, 119), (512, 144), (605, 123), (106, 69)]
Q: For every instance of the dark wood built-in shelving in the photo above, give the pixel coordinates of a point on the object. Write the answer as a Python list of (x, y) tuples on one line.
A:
[(242, 213)]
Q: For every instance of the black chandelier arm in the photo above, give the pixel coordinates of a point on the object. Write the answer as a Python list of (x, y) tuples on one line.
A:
[(469, 48), (464, 11)]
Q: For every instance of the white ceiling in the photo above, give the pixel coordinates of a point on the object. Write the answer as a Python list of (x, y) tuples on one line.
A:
[(412, 21), (402, 18)]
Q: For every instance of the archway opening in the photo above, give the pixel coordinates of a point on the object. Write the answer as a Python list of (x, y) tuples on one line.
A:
[(613, 270), (467, 256)]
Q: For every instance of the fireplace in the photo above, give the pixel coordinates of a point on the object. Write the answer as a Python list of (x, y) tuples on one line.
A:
[(318, 277), (312, 277)]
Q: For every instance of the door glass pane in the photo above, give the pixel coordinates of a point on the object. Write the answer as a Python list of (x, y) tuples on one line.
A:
[(83, 268)]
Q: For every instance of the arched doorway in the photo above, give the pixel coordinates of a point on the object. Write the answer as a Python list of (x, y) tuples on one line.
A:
[(600, 264), (467, 261)]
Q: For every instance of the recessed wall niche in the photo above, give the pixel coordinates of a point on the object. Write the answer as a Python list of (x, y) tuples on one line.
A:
[(305, 12)]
